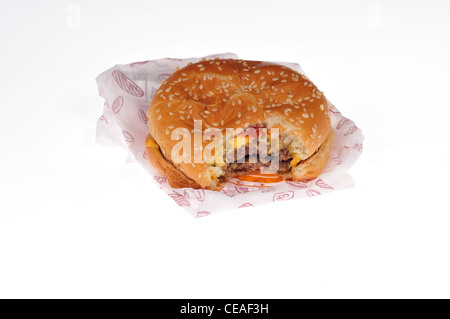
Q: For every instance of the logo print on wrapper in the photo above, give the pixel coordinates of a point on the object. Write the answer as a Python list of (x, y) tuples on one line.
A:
[(242, 189), (198, 194), (128, 137), (179, 199), (103, 119), (117, 105), (203, 214), (127, 84), (287, 195), (163, 76), (343, 122), (246, 205), (142, 116), (312, 193), (351, 130), (358, 147), (160, 179), (322, 184), (132, 65), (297, 184)]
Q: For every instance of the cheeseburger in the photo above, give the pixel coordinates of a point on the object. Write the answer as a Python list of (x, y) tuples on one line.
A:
[(218, 119)]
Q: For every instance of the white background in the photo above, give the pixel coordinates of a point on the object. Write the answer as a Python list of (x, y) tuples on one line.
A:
[(77, 221)]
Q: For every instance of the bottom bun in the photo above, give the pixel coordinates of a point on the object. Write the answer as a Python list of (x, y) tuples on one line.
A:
[(175, 177)]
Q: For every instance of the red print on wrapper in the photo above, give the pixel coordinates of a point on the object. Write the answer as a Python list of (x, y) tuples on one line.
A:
[(163, 76), (351, 130), (179, 199), (312, 193), (127, 84), (227, 192), (358, 147), (160, 179), (203, 214), (103, 119), (343, 122), (322, 184), (242, 189), (117, 105), (128, 137), (132, 65), (333, 111), (198, 194), (283, 196), (298, 184), (142, 116), (245, 205), (336, 160)]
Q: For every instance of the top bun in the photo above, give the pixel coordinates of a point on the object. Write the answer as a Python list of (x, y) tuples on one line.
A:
[(226, 93)]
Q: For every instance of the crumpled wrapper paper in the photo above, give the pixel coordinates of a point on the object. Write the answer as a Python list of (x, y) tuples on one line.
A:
[(128, 91)]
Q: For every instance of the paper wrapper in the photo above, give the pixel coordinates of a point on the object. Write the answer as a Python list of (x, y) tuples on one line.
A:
[(128, 91)]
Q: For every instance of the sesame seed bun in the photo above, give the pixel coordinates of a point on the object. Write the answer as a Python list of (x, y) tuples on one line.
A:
[(238, 94)]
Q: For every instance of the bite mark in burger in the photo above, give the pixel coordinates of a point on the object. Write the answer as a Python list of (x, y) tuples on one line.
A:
[(239, 95)]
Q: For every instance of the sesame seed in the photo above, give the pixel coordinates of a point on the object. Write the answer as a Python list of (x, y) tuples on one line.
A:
[(305, 115), (221, 122), (170, 127), (167, 132), (168, 90), (214, 109), (158, 110), (202, 69), (182, 118), (220, 68), (215, 124), (239, 101), (274, 79), (199, 65), (201, 87), (312, 115), (207, 112), (170, 113), (239, 115), (237, 122), (159, 117), (257, 71), (183, 74), (322, 107)]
